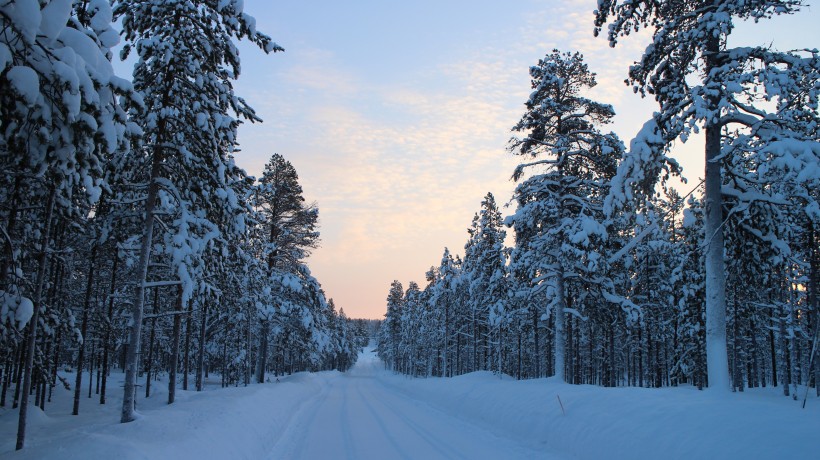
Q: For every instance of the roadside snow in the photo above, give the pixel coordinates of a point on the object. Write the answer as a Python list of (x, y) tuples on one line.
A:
[(229, 423), (628, 423), (372, 413)]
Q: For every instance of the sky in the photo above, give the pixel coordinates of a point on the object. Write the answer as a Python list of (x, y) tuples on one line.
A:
[(396, 115)]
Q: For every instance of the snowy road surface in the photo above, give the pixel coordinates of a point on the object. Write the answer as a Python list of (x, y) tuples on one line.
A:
[(371, 413), (358, 416)]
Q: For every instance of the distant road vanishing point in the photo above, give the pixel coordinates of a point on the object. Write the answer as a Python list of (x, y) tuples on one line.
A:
[(359, 416)]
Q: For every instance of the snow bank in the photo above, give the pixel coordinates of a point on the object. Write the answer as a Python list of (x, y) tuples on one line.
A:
[(235, 423), (627, 423)]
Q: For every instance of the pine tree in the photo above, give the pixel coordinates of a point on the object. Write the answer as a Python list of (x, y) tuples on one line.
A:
[(690, 39), (287, 225), (187, 60), (442, 301), (390, 332), (61, 120), (558, 222), (485, 261)]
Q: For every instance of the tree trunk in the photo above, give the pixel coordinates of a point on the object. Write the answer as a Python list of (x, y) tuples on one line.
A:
[(518, 377), (186, 361), (558, 335), (150, 361), (132, 360), (21, 364), (569, 352), (794, 345), (445, 364), (576, 351), (43, 379), (109, 326), (772, 349), (99, 372), (536, 343), (717, 358), (612, 368), (35, 317), (38, 382), (53, 382), (475, 341), (200, 364), (84, 331), (500, 354), (591, 374), (91, 369), (737, 375), (9, 367), (10, 224), (172, 368), (248, 356), (225, 356), (458, 353), (814, 293), (784, 349), (640, 356), (549, 368), (754, 374), (262, 353)]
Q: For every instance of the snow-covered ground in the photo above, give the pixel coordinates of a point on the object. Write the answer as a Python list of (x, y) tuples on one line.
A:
[(370, 413), (360, 415)]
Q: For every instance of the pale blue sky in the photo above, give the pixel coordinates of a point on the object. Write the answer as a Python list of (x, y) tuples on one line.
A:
[(396, 116)]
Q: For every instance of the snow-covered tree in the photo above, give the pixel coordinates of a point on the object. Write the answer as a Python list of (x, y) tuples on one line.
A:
[(61, 121), (390, 332), (287, 225), (700, 82), (187, 60), (442, 299), (484, 268), (558, 222)]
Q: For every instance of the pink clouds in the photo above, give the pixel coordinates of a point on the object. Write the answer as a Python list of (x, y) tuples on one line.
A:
[(399, 152)]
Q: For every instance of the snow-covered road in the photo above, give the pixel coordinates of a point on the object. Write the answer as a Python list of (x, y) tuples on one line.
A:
[(358, 416), (370, 413)]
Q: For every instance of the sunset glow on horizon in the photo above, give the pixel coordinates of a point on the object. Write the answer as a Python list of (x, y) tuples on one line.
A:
[(396, 116)]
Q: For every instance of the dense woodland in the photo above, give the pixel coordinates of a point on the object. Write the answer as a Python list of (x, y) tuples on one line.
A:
[(615, 278), (130, 238)]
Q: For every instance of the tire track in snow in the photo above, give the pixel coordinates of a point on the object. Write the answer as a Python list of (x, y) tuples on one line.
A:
[(361, 416), (380, 422), (296, 432), (344, 423), (433, 439)]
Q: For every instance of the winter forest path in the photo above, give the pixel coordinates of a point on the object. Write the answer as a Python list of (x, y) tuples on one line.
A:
[(357, 415)]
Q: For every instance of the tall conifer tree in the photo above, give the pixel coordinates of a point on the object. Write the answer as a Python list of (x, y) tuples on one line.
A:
[(701, 82), (187, 60)]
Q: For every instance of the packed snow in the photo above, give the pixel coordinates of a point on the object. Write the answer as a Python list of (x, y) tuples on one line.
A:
[(371, 413)]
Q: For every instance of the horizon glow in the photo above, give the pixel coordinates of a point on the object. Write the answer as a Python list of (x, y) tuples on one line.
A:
[(396, 116)]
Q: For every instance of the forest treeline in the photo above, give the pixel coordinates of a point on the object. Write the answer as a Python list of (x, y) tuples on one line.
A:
[(130, 239), (615, 278)]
